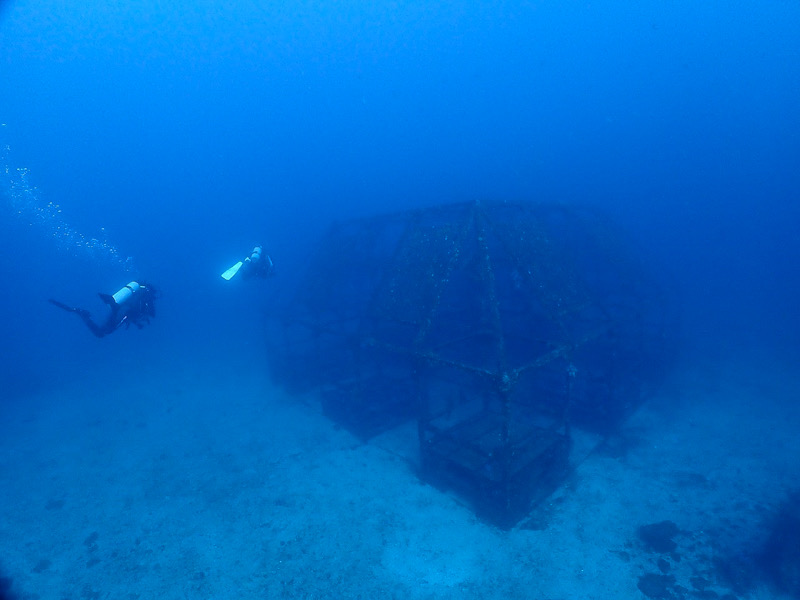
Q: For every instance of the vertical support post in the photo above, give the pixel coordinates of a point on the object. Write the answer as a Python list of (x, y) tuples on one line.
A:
[(571, 374), (506, 454), (420, 373)]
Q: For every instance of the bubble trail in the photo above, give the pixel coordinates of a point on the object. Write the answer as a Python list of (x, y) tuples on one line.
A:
[(23, 199)]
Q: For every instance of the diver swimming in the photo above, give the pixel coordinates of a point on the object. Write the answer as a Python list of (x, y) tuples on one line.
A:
[(134, 304), (257, 264)]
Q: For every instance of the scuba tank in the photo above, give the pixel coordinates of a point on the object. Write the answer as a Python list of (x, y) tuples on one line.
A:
[(125, 293), (122, 296)]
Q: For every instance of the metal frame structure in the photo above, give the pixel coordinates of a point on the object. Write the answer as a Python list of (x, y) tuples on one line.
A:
[(494, 325)]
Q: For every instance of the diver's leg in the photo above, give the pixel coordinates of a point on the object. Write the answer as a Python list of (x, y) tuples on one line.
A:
[(83, 314), (93, 327)]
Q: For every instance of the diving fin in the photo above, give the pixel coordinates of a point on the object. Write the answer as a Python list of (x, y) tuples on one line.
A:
[(62, 306), (232, 271), (82, 313)]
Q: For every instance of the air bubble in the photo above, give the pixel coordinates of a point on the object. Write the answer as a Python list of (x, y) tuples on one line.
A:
[(20, 197)]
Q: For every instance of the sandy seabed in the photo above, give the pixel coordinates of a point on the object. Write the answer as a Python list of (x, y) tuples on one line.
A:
[(193, 480)]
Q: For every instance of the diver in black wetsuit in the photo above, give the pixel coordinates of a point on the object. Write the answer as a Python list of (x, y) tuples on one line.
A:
[(132, 304), (257, 264)]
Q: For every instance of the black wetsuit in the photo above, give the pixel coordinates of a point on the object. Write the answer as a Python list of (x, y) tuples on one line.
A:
[(257, 265), (138, 309)]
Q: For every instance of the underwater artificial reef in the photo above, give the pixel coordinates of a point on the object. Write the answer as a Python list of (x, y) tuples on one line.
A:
[(496, 327)]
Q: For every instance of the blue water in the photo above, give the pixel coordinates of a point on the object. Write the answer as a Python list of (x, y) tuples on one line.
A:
[(162, 140)]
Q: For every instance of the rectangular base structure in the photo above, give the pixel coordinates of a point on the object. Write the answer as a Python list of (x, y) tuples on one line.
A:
[(370, 406), (502, 482)]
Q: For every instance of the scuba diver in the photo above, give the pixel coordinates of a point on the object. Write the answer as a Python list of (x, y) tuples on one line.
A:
[(257, 264), (132, 304)]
